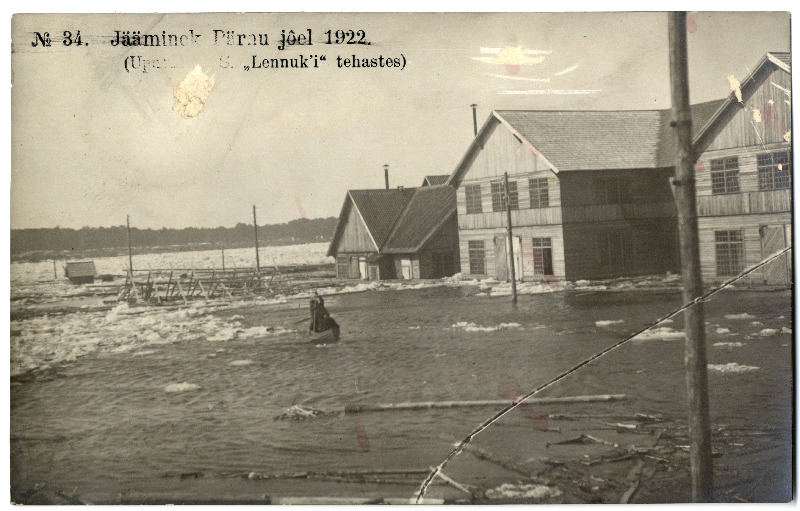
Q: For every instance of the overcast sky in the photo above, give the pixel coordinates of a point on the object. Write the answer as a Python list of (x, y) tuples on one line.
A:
[(92, 142)]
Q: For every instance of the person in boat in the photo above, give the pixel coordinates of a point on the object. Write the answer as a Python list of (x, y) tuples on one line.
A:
[(321, 320)]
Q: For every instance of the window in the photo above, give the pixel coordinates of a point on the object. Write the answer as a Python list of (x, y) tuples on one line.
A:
[(477, 257), (473, 193), (542, 256), (730, 252), (774, 171), (613, 190), (499, 196), (342, 267), (725, 175), (539, 193)]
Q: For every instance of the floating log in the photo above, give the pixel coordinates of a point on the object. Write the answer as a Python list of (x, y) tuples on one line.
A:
[(381, 407), (451, 482)]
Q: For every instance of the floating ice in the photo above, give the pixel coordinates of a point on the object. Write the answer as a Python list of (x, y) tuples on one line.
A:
[(743, 315), (728, 344), (472, 327), (663, 333), (723, 330), (786, 330), (732, 367), (767, 332), (531, 491), (245, 362), (181, 387), (607, 322)]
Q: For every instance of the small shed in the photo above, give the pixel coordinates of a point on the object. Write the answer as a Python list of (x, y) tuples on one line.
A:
[(80, 272)]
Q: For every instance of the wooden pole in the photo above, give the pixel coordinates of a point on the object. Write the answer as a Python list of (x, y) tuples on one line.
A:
[(255, 231), (386, 175), (55, 273), (510, 244), (474, 119), (223, 257), (694, 317), (130, 255)]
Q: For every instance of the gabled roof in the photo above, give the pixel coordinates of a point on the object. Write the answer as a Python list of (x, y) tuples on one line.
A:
[(81, 269), (435, 180), (705, 133), (426, 212), (379, 209), (569, 140)]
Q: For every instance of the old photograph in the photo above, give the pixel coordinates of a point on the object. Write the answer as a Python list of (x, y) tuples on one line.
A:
[(401, 258)]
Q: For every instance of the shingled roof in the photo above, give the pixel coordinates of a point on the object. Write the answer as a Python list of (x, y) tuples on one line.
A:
[(435, 180), (379, 208), (569, 140), (426, 212)]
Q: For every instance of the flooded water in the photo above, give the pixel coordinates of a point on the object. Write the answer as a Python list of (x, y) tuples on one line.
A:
[(117, 421)]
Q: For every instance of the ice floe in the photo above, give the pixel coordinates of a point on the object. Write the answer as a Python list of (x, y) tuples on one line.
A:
[(732, 367), (520, 490), (661, 333), (728, 344), (181, 387), (722, 331), (767, 332), (472, 327), (607, 322), (743, 315)]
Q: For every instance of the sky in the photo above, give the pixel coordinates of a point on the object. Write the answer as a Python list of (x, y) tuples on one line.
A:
[(92, 142)]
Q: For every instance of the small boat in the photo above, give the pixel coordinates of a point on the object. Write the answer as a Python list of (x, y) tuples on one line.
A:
[(326, 336)]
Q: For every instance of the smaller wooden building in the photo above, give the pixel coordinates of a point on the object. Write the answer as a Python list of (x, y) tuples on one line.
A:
[(80, 272), (400, 233)]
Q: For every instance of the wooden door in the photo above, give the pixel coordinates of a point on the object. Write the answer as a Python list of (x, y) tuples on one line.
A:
[(773, 239)]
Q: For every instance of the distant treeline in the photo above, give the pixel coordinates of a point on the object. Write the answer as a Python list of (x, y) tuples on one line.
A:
[(41, 243)]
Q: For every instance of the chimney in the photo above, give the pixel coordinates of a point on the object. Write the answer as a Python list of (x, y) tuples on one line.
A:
[(386, 175), (474, 118)]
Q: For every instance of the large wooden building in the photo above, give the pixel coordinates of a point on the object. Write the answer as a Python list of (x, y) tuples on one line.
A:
[(397, 233), (589, 194), (744, 177), (590, 191)]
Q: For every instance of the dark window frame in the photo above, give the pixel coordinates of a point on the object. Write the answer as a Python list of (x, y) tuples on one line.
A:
[(725, 175), (769, 174), (474, 202), (729, 252), (542, 256), (539, 191), (476, 252), (499, 195)]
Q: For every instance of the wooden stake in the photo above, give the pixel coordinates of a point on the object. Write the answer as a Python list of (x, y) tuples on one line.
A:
[(55, 274), (130, 256), (223, 257), (510, 244), (694, 317), (255, 230)]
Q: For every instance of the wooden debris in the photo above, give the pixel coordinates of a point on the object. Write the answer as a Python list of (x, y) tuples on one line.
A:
[(451, 482), (381, 407)]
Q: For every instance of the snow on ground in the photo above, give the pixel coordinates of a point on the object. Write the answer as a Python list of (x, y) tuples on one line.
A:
[(472, 327), (732, 367), (38, 277)]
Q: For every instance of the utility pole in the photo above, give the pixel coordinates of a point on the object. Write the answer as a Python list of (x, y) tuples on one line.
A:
[(694, 317), (130, 254), (474, 119), (386, 174), (510, 244), (255, 231)]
